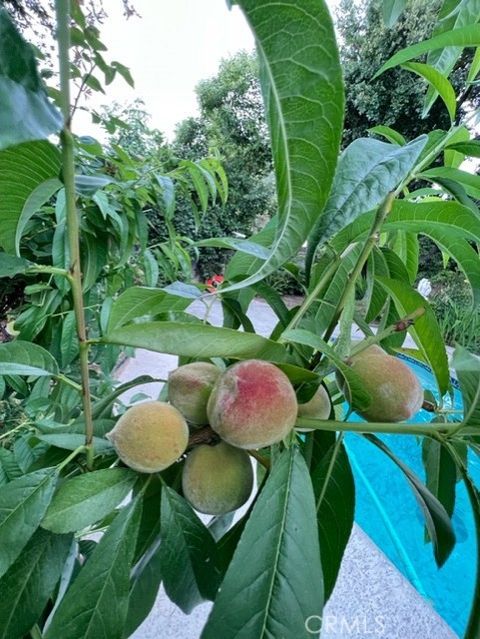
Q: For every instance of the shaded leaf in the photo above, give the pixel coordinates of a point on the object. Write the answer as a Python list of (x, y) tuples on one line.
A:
[(95, 605), (274, 582), (23, 503), (392, 9), (83, 500), (441, 472), (467, 368), (334, 489), (28, 584), (186, 553), (11, 265), (27, 113)]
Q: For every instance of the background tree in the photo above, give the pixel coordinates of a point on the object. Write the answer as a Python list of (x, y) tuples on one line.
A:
[(232, 126), (396, 97)]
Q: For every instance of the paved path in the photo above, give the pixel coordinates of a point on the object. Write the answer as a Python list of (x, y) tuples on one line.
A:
[(371, 598)]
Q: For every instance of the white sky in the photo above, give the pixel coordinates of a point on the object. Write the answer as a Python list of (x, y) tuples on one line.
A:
[(169, 50)]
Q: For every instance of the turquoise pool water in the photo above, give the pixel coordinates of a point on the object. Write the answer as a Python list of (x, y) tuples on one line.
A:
[(389, 514)]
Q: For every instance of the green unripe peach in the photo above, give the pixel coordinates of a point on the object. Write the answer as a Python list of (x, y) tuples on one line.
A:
[(318, 407), (189, 388), (252, 405), (150, 437), (395, 390), (217, 479)]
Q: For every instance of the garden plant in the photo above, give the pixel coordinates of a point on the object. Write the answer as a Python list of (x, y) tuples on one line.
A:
[(99, 502)]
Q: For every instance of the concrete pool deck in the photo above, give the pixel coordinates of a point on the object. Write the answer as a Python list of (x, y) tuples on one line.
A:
[(371, 597)]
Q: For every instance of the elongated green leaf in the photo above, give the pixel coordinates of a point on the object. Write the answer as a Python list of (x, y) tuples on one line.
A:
[(103, 407), (474, 67), (389, 134), (303, 93), (334, 488), (452, 16), (441, 472), (23, 169), (84, 500), (469, 181), (27, 113), (465, 37), (28, 584), (35, 200), (451, 156), (367, 171), (186, 553), (392, 9), (11, 265), (25, 358), (439, 83), (473, 626), (23, 503), (274, 582), (467, 368), (426, 331), (449, 224), (470, 148), (71, 441), (145, 583), (95, 606), (194, 340), (437, 521), (139, 301)]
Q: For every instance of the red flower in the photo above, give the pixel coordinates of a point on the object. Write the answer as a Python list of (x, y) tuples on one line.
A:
[(214, 282)]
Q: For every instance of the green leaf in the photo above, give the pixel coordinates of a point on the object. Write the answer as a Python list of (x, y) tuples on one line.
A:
[(23, 503), (139, 301), (447, 223), (471, 148), (454, 158), (102, 407), (452, 16), (467, 367), (474, 67), (37, 198), (83, 500), (441, 472), (274, 582), (24, 170), (146, 579), (439, 83), (195, 340), (24, 358), (392, 9), (95, 605), (465, 37), (334, 488), (469, 181), (425, 332), (367, 171), (28, 584), (473, 626), (11, 265), (27, 113), (69, 342), (71, 441), (302, 87), (437, 521), (186, 553), (389, 134)]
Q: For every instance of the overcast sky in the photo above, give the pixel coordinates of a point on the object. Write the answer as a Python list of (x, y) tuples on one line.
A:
[(173, 46)]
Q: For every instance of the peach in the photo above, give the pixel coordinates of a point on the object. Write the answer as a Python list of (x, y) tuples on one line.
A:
[(252, 405), (395, 390), (318, 407), (217, 479), (150, 437), (189, 387)]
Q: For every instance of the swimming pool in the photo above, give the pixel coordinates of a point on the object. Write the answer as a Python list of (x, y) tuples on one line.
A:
[(388, 512)]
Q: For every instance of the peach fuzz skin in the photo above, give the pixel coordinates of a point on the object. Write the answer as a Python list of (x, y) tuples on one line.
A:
[(252, 405)]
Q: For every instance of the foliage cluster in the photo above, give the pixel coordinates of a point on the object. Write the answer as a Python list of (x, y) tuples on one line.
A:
[(85, 542)]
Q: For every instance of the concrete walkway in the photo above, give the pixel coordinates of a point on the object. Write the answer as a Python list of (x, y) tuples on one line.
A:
[(371, 598)]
